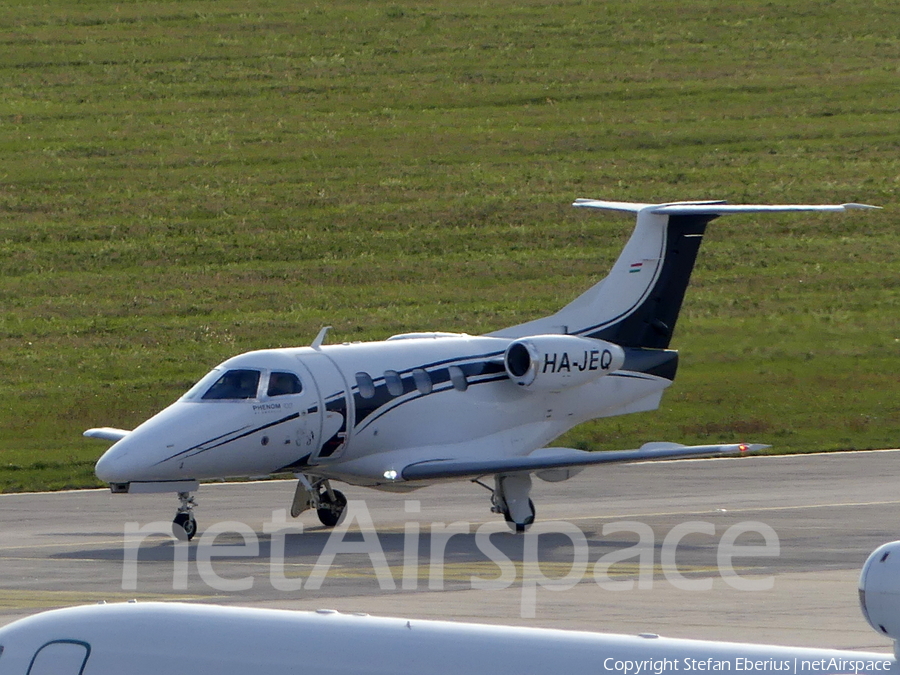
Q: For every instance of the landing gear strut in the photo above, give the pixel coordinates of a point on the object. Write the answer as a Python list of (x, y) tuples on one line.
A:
[(510, 497), (330, 504), (184, 527)]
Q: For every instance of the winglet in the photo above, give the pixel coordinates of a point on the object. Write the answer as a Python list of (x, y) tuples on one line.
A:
[(854, 205)]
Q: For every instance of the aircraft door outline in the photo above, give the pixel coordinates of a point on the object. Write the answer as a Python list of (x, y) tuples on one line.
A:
[(337, 410), (308, 432)]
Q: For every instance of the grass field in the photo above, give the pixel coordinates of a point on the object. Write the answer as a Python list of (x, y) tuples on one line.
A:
[(183, 181)]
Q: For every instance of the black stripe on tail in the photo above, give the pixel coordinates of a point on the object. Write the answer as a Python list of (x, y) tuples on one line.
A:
[(652, 323)]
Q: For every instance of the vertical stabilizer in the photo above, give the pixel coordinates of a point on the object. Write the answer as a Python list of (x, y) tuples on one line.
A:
[(638, 303), (645, 313)]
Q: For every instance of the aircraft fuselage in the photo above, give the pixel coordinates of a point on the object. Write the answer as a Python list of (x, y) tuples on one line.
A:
[(363, 410)]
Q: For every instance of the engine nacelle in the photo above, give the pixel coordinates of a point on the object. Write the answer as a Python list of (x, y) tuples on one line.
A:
[(557, 362), (879, 590)]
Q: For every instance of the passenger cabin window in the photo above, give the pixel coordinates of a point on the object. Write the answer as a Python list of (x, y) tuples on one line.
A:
[(423, 381), (393, 382), (365, 384), (282, 384), (234, 385), (60, 657), (458, 378)]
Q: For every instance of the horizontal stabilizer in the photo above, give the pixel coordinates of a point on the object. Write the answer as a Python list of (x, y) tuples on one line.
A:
[(718, 208), (638, 303), (107, 433), (556, 458)]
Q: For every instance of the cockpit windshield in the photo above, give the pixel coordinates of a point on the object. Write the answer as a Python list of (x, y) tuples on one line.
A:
[(240, 384), (234, 384), (202, 385)]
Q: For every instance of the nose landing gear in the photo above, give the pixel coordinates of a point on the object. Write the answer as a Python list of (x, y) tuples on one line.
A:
[(184, 526)]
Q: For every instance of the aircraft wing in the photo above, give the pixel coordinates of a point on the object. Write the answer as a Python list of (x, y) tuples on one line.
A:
[(560, 458), (107, 433)]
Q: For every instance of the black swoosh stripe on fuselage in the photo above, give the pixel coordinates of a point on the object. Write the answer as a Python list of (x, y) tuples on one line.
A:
[(369, 410), (200, 445), (414, 394), (199, 448), (657, 363), (372, 408)]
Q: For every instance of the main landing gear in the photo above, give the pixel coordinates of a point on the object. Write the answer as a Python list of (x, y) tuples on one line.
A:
[(330, 504), (184, 527), (510, 497)]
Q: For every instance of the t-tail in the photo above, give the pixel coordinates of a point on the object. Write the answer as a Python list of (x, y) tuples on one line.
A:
[(637, 305)]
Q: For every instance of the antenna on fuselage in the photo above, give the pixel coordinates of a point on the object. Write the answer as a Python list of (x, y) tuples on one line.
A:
[(320, 338)]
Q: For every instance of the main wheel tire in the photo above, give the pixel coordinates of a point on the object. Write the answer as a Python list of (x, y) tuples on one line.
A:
[(519, 528), (184, 527), (332, 512)]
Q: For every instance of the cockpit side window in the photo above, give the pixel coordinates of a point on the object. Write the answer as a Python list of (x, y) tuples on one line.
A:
[(235, 384), (281, 384)]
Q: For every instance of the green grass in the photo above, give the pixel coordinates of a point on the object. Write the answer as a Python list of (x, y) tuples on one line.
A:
[(183, 181)]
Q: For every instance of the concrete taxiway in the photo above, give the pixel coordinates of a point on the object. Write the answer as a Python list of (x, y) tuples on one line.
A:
[(828, 512)]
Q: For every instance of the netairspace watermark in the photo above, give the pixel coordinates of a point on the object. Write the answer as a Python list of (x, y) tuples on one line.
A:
[(532, 577)]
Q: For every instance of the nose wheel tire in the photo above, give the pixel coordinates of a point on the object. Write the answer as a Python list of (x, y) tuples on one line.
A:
[(184, 527), (331, 511)]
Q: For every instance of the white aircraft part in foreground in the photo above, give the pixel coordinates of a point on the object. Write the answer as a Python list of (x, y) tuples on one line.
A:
[(153, 638), (418, 408)]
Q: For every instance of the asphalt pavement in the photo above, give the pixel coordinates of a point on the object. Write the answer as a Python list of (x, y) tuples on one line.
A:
[(752, 549)]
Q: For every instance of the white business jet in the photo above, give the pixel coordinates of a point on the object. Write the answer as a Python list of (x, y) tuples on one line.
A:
[(424, 407), (152, 638)]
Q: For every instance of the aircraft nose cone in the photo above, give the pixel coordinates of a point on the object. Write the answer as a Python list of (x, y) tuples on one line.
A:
[(112, 466), (137, 456)]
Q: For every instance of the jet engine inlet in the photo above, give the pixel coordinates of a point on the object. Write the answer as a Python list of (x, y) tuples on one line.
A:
[(557, 362)]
